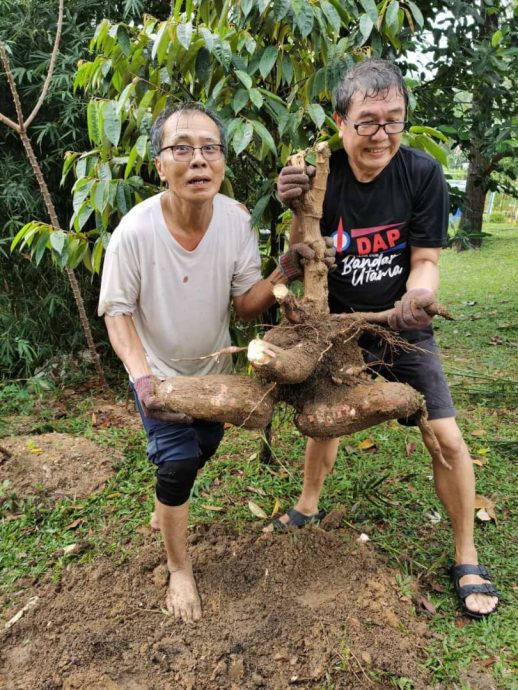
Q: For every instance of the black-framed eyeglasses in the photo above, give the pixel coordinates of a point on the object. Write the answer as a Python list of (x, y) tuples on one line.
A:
[(183, 153), (369, 129)]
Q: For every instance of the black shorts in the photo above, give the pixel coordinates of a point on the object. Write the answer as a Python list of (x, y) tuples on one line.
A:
[(421, 368)]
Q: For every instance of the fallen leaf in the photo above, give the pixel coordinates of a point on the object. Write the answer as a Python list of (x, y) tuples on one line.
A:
[(410, 448), (483, 451), (478, 432), (214, 508), (276, 507), (29, 605), (36, 450), (228, 425), (486, 504), (488, 662), (434, 517), (483, 515), (424, 604), (460, 622), (480, 461), (75, 523), (256, 510), (367, 444), (94, 419), (436, 586), (255, 490), (67, 550)]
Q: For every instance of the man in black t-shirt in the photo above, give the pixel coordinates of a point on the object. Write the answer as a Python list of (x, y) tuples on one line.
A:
[(386, 206)]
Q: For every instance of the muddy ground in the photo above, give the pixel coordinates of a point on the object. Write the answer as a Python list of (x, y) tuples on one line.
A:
[(303, 610), (312, 608)]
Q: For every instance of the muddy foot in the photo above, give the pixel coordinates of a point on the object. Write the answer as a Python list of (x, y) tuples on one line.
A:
[(182, 598)]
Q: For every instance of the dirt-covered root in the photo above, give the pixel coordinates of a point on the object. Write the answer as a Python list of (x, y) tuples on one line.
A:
[(239, 400), (284, 366), (344, 410)]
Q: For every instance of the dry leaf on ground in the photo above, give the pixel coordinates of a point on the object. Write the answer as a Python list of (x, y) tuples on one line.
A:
[(486, 508), (256, 510), (367, 444), (410, 448)]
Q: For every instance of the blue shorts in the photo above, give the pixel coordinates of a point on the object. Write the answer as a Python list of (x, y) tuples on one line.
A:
[(169, 442), (420, 368)]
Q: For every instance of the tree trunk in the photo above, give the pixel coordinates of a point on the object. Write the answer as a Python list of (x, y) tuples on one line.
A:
[(470, 225), (479, 169), (21, 129), (76, 290)]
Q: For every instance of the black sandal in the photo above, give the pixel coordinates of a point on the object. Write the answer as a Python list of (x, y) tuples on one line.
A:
[(296, 520), (463, 591)]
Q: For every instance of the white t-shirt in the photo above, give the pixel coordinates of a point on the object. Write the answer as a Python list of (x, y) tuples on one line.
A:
[(179, 299)]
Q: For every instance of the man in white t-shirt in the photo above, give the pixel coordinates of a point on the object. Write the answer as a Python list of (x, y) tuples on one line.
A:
[(173, 268)]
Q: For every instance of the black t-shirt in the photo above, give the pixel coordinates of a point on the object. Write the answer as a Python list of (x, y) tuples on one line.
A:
[(375, 223)]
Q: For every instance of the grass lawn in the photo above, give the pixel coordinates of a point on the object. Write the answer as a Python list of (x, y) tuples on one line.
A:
[(386, 490)]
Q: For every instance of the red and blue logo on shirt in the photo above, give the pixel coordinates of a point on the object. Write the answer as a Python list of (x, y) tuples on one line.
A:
[(380, 239)]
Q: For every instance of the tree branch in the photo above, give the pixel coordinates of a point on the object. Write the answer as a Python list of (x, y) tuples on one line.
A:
[(5, 61), (9, 122), (52, 65)]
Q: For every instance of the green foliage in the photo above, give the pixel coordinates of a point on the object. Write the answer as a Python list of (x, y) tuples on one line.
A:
[(268, 69), (471, 95), (37, 312)]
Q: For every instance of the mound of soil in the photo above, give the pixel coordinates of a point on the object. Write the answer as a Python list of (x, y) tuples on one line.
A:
[(56, 465), (308, 609)]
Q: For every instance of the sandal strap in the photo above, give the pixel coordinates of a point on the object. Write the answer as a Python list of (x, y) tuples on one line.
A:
[(459, 571), (486, 588), (296, 519)]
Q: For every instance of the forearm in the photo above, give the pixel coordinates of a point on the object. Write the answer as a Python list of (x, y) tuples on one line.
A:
[(259, 297), (424, 275), (424, 269), (127, 345)]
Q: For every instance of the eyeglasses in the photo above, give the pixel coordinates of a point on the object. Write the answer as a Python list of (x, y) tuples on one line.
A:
[(183, 153), (369, 129)]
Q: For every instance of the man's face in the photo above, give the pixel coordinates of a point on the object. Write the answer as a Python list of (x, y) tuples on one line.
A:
[(368, 155), (197, 180)]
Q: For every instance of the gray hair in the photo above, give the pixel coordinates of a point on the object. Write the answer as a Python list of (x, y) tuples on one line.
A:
[(370, 77), (157, 130)]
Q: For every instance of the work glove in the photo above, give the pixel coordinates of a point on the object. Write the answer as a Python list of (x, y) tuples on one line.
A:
[(292, 183), (409, 312), (292, 262), (153, 408)]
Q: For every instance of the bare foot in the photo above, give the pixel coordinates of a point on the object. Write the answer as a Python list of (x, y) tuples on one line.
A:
[(182, 595), (153, 521), (478, 603)]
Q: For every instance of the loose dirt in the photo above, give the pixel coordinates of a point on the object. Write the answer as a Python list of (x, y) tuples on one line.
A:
[(306, 609), (54, 465)]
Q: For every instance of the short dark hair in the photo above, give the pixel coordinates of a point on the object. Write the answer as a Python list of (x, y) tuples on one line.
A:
[(370, 77), (157, 130)]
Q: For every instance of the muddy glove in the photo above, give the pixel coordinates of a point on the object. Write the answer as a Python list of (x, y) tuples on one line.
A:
[(292, 183), (409, 312), (292, 262), (153, 408)]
